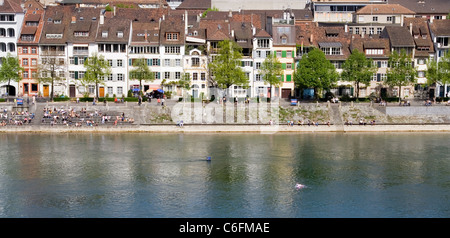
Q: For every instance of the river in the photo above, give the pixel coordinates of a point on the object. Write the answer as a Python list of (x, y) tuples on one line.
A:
[(250, 175)]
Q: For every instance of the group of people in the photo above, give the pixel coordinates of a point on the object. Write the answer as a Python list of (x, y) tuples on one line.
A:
[(15, 117), (82, 117)]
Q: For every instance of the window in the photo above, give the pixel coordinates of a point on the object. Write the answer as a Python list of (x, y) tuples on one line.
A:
[(389, 19), (421, 61), (25, 62), (283, 40), (33, 50), (110, 90), (374, 51), (34, 62), (25, 74), (379, 29), (356, 30), (263, 43), (81, 33), (335, 51), (119, 63), (257, 65), (104, 34), (91, 89), (172, 49), (420, 74), (375, 18), (120, 34), (119, 77), (167, 75), (25, 50), (194, 76), (177, 75), (171, 36), (203, 76), (371, 30), (166, 62), (110, 63), (119, 90), (177, 62), (257, 77), (110, 77), (195, 62)]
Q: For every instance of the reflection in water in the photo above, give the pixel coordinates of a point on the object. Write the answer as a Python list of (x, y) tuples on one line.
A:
[(249, 175)]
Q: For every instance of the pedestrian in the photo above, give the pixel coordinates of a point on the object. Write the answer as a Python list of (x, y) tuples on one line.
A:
[(139, 100), (162, 102), (78, 100)]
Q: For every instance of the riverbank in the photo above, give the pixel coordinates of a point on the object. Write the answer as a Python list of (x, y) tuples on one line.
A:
[(225, 129)]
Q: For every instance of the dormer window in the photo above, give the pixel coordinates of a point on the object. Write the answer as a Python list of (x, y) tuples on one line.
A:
[(57, 21), (81, 33), (283, 40), (104, 34), (374, 51), (120, 34), (195, 33), (172, 36)]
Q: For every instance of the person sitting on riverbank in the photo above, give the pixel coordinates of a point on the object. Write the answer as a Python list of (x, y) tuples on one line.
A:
[(428, 103)]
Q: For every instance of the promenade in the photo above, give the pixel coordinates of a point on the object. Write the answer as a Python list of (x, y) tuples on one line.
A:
[(129, 117)]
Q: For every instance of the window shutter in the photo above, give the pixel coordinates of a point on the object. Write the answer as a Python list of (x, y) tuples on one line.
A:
[(283, 54), (76, 74), (159, 62), (76, 60), (283, 65), (130, 62), (288, 78), (293, 54)]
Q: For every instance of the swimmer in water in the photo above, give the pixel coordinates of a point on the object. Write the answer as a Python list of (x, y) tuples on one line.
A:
[(299, 186)]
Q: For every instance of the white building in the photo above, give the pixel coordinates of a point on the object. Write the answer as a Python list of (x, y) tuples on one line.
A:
[(11, 19)]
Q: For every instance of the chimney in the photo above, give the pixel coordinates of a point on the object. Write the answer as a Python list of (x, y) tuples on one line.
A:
[(102, 19), (311, 39), (114, 10), (254, 30), (232, 33), (346, 28), (410, 28), (145, 34), (362, 34), (230, 13), (74, 19)]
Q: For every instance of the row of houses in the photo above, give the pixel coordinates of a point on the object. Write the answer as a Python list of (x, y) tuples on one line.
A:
[(57, 38)]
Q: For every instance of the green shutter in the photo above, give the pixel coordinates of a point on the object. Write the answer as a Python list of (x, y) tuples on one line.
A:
[(275, 53), (293, 54), (130, 62), (159, 62), (76, 74), (283, 65), (283, 54), (76, 60), (288, 78)]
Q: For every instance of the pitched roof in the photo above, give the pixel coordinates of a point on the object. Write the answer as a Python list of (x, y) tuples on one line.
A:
[(11, 6), (261, 33), (374, 42), (114, 26), (425, 6), (379, 9), (145, 33), (399, 36), (194, 4), (52, 13), (172, 24), (421, 35), (440, 27)]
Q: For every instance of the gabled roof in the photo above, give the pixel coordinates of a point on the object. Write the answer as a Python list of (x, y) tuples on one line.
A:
[(52, 13), (145, 33), (440, 27), (194, 5), (399, 36), (172, 24), (374, 42), (113, 27), (382, 9), (261, 33), (425, 6), (11, 6), (421, 35)]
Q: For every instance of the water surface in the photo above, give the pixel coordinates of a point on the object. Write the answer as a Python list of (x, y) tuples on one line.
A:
[(249, 175)]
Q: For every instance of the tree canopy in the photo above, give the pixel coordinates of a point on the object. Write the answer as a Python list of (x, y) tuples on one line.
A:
[(10, 70), (401, 71), (315, 71), (271, 70), (358, 69), (96, 69), (439, 72), (141, 72), (226, 66)]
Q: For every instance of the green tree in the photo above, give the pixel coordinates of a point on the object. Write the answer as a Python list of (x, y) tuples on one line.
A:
[(439, 72), (315, 71), (10, 70), (226, 66), (96, 69), (141, 72), (401, 71), (271, 70), (358, 69)]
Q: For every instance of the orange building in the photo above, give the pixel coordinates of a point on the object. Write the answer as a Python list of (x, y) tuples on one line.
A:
[(27, 46)]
